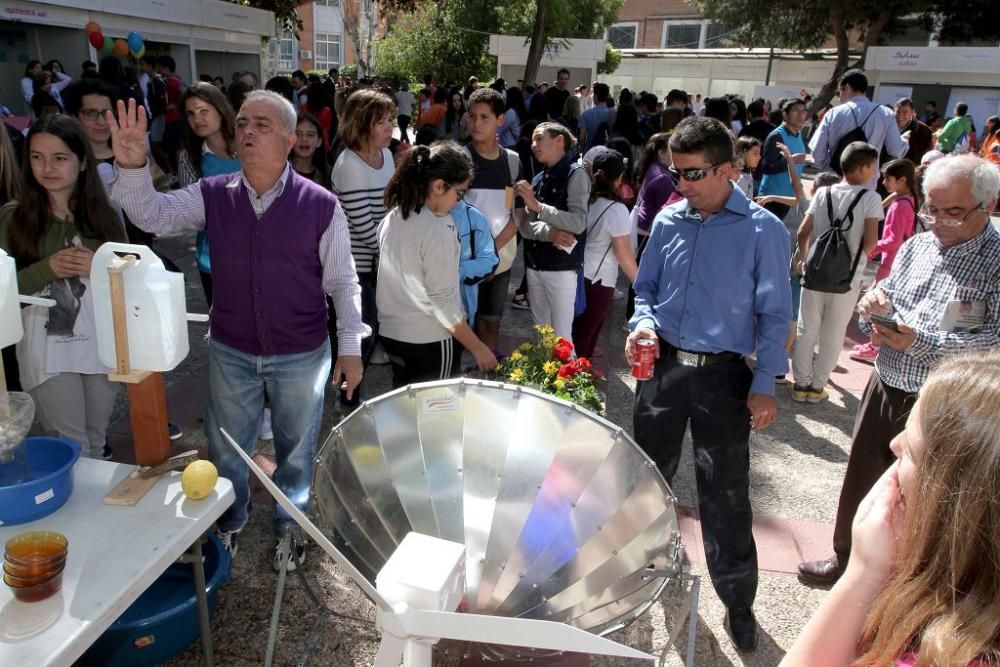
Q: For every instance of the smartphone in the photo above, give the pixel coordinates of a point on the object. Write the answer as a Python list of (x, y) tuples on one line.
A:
[(887, 322)]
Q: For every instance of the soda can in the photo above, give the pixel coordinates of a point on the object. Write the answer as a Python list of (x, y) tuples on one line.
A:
[(645, 358)]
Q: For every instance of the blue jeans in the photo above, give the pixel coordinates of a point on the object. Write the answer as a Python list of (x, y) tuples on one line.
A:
[(236, 385)]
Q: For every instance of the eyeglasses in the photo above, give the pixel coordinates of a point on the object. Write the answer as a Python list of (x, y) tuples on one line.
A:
[(948, 217), (459, 193), (94, 114), (692, 175)]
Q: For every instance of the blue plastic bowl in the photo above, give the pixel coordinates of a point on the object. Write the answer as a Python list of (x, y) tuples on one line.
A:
[(50, 464), (163, 621)]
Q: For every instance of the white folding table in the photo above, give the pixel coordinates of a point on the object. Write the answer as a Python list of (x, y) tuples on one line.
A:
[(115, 553)]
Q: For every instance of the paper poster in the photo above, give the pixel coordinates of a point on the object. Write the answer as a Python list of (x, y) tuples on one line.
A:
[(890, 94), (983, 103)]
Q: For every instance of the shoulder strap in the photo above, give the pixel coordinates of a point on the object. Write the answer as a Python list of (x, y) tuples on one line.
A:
[(513, 164), (848, 216), (605, 255), (874, 109)]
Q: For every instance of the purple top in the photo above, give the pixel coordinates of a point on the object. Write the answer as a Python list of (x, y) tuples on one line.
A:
[(266, 274), (657, 186)]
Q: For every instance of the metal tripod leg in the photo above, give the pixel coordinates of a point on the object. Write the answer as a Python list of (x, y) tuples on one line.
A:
[(284, 554), (197, 561), (693, 617), (689, 609)]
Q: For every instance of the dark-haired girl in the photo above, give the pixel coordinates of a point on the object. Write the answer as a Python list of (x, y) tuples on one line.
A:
[(307, 155), (208, 151), (421, 321), (609, 245), (52, 232)]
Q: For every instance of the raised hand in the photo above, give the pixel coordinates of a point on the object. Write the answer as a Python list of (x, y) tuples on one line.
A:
[(128, 135)]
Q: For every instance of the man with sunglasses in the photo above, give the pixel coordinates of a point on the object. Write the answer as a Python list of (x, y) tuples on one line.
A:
[(943, 297), (713, 288)]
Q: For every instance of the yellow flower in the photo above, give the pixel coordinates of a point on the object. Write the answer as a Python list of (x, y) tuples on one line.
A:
[(517, 375), (550, 367), (544, 330), (516, 356), (524, 347), (560, 383)]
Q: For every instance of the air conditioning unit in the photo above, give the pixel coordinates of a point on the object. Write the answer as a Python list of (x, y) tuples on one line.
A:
[(305, 54)]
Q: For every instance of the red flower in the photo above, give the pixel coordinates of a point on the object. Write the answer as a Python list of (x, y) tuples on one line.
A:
[(583, 364), (567, 371), (563, 350)]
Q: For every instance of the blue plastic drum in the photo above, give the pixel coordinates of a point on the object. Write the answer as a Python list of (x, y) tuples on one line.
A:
[(47, 480)]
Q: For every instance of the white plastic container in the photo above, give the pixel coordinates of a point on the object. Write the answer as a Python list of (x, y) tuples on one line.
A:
[(425, 572), (11, 328), (154, 309)]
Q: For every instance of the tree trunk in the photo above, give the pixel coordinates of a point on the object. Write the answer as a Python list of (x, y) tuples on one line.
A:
[(537, 44), (872, 34)]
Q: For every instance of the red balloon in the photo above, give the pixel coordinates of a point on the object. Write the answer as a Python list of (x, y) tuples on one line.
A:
[(96, 39), (92, 27), (121, 47)]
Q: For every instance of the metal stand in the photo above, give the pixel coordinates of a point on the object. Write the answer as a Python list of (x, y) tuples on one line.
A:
[(284, 555), (197, 562), (689, 608)]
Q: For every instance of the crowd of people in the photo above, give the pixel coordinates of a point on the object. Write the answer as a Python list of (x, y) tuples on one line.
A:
[(325, 244)]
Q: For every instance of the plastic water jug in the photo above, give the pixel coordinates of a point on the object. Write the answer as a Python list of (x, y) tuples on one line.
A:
[(11, 329), (154, 309)]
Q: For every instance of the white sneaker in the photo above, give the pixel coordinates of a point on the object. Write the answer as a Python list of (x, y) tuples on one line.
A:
[(265, 426), (228, 541), (282, 554)]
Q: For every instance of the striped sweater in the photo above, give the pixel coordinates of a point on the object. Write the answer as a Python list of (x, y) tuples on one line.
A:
[(360, 189)]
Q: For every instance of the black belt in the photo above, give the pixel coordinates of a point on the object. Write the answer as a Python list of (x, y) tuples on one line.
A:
[(698, 359)]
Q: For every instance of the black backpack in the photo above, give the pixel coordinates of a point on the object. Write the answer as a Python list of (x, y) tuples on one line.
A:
[(857, 134), (601, 135), (829, 266)]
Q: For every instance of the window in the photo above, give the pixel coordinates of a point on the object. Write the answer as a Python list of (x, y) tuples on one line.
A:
[(326, 50), (284, 52), (622, 36), (681, 35), (716, 35)]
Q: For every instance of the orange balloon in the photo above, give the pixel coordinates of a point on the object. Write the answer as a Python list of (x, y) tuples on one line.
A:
[(91, 27), (121, 47)]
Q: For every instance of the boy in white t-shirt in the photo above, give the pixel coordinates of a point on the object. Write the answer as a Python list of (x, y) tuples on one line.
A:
[(824, 316)]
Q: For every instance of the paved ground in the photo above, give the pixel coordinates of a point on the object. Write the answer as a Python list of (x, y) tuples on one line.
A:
[(797, 467)]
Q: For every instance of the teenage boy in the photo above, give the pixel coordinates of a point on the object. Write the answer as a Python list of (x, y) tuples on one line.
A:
[(775, 180), (491, 191), (174, 122), (823, 316)]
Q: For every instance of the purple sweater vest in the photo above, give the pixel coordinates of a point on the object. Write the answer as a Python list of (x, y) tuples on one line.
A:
[(267, 279)]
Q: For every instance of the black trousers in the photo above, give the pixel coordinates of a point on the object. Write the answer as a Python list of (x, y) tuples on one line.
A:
[(712, 399), (423, 362), (881, 416)]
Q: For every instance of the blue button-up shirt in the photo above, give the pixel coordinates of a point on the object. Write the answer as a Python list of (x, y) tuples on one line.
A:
[(880, 128), (719, 285)]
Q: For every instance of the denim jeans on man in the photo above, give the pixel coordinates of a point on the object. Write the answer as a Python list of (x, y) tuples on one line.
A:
[(295, 386)]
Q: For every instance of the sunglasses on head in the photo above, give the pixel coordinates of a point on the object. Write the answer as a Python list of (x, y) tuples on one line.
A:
[(692, 175)]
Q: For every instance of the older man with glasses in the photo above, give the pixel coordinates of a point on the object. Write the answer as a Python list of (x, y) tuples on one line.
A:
[(712, 288), (942, 297)]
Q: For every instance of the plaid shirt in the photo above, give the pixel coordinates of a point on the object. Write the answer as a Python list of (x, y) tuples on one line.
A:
[(925, 278)]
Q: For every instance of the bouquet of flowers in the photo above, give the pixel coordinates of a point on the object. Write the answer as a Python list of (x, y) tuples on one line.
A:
[(548, 365)]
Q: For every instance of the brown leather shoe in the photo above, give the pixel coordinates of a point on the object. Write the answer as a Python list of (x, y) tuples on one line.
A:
[(821, 572)]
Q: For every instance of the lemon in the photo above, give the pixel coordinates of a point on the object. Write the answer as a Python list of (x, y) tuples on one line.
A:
[(198, 479)]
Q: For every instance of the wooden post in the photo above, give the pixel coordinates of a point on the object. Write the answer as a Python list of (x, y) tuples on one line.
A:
[(146, 391)]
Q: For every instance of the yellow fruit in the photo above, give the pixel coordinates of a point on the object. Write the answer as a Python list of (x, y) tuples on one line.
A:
[(198, 479)]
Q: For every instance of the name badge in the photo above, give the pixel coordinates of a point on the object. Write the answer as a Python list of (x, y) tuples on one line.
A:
[(964, 316)]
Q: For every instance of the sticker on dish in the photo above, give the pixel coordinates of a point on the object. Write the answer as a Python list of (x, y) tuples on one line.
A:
[(446, 403), (45, 495)]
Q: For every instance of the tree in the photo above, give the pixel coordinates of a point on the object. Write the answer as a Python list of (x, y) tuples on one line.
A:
[(803, 25), (612, 59), (284, 11)]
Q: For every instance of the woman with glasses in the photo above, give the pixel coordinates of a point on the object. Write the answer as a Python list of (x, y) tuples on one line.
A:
[(421, 320), (554, 231)]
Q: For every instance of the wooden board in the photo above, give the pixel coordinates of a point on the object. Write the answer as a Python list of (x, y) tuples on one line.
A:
[(130, 490)]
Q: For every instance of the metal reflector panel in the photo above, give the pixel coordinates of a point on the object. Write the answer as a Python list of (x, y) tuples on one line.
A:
[(559, 510)]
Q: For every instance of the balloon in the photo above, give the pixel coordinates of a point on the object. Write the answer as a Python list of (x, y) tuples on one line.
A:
[(140, 53), (120, 47), (96, 39), (134, 41), (91, 28), (108, 46)]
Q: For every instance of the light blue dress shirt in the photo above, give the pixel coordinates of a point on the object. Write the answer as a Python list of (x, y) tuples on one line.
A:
[(719, 285), (880, 128)]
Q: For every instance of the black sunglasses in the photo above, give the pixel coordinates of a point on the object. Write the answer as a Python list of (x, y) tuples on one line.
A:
[(692, 175)]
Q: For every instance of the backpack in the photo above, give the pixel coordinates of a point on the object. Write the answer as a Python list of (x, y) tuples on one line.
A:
[(857, 134), (829, 266), (156, 96), (601, 134)]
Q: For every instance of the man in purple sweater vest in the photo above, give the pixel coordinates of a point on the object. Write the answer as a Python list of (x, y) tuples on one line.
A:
[(278, 245)]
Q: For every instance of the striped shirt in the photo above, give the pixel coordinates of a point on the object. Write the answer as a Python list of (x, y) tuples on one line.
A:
[(183, 210), (361, 191), (925, 278)]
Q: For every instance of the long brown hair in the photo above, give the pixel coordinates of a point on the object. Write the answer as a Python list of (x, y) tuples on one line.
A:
[(943, 602), (421, 165), (650, 154), (93, 215), (210, 94), (10, 174)]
